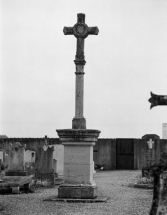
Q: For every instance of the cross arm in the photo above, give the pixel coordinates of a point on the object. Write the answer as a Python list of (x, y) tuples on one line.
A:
[(93, 30), (68, 30), (156, 100)]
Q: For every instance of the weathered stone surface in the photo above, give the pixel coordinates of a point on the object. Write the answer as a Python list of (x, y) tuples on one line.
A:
[(16, 173), (77, 192), (78, 163), (76, 135), (15, 181), (80, 30), (78, 142), (16, 157), (79, 123), (16, 160), (44, 162)]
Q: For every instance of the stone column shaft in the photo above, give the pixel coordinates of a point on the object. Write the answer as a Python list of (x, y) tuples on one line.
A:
[(79, 121), (79, 91)]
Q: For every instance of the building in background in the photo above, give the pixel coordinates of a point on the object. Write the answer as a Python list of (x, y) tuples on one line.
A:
[(164, 130)]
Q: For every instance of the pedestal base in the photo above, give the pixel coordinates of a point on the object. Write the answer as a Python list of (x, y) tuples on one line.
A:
[(78, 163), (77, 191), (79, 123)]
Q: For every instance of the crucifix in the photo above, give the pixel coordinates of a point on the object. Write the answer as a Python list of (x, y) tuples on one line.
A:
[(80, 30)]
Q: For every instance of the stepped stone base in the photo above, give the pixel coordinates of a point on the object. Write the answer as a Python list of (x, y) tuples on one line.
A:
[(77, 191)]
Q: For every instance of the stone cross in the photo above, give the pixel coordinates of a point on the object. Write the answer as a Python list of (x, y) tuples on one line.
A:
[(157, 100), (80, 30), (150, 143)]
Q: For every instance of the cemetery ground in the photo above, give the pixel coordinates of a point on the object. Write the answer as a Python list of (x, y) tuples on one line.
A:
[(122, 199)]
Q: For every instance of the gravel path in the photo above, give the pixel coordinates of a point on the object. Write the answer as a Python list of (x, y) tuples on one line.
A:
[(113, 184)]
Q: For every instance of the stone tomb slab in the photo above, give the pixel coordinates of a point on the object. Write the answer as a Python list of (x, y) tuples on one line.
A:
[(15, 182)]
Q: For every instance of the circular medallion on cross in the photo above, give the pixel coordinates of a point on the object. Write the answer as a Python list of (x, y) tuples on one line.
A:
[(80, 29)]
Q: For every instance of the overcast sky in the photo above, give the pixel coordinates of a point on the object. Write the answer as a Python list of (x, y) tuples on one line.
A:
[(126, 61)]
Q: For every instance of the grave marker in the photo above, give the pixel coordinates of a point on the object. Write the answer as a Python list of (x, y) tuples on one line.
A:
[(16, 160), (44, 162)]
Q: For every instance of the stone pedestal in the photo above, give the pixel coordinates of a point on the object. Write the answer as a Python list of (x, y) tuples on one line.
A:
[(78, 163)]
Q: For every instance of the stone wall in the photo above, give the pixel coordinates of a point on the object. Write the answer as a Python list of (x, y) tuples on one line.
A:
[(34, 144), (104, 153), (140, 147)]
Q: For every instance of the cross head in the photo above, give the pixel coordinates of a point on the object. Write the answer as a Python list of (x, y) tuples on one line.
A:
[(80, 30), (150, 143)]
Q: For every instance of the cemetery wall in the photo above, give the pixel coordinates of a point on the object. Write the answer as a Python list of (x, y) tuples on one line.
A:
[(105, 153), (140, 147), (31, 143)]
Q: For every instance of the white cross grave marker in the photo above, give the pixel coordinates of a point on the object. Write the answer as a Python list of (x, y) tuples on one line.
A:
[(150, 143)]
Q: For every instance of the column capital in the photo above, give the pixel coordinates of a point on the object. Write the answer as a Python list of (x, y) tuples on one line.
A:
[(77, 135)]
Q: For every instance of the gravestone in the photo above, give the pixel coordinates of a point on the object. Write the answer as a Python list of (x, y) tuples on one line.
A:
[(16, 160), (78, 142), (44, 162), (150, 155)]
